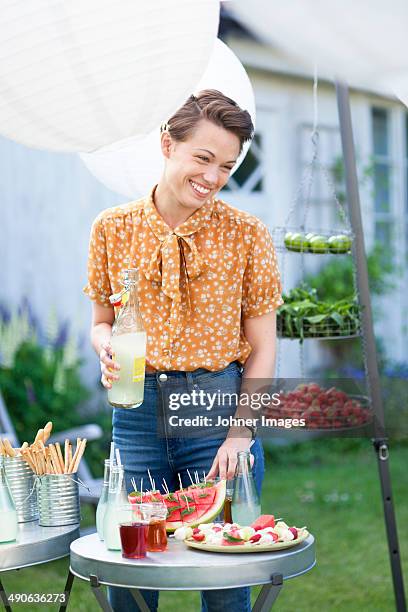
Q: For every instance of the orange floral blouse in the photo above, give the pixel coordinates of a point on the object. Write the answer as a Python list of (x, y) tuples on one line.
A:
[(197, 282)]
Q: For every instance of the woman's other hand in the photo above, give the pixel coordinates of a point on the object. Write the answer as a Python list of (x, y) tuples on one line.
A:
[(109, 369), (225, 461)]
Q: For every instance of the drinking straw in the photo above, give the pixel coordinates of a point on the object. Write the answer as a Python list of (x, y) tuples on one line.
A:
[(197, 479), (112, 454), (205, 479), (189, 475), (166, 488), (151, 479), (118, 461)]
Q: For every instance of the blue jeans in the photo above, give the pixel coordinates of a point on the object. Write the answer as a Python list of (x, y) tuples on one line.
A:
[(135, 433)]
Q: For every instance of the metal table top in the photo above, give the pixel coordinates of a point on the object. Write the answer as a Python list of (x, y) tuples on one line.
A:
[(182, 568), (36, 545)]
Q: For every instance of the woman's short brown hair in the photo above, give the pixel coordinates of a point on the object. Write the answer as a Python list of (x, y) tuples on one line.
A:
[(214, 106)]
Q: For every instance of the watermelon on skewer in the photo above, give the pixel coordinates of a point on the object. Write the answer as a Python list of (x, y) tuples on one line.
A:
[(195, 510), (190, 506)]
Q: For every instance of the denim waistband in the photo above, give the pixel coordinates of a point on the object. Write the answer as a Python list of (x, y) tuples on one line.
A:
[(201, 374)]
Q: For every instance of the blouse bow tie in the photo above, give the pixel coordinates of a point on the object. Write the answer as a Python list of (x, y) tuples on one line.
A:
[(176, 256)]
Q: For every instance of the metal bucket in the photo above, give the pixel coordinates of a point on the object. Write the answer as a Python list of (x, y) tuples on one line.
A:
[(21, 481), (58, 500)]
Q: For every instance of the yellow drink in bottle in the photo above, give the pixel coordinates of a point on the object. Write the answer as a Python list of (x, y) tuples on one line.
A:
[(129, 351), (128, 343)]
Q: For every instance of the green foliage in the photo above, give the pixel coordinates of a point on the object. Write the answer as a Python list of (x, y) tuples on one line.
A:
[(38, 387), (304, 315), (334, 280)]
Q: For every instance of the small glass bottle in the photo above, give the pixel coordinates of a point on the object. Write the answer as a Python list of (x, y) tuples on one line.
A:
[(228, 501), (245, 506), (128, 343), (103, 500), (8, 512), (117, 497)]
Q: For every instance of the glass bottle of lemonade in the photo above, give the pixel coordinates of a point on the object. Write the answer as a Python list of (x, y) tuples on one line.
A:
[(117, 498), (245, 506), (103, 500), (128, 343), (8, 513)]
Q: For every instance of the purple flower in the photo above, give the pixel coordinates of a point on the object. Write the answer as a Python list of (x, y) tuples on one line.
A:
[(31, 398)]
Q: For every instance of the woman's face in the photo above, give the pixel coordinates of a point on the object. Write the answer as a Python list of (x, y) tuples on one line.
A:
[(199, 167)]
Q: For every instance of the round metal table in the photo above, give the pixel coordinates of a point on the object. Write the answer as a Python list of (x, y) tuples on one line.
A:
[(182, 568), (35, 545)]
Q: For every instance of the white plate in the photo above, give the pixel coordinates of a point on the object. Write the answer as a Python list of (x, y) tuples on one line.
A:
[(244, 548)]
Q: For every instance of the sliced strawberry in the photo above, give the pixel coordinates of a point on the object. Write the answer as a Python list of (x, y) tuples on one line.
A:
[(198, 537), (255, 538), (294, 531)]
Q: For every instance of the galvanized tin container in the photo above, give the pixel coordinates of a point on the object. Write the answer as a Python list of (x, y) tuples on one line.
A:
[(21, 481), (58, 500)]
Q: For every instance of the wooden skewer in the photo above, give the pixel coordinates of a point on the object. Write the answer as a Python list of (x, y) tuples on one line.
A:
[(189, 475), (69, 455), (39, 436), (72, 462), (8, 448), (35, 461), (79, 456), (49, 467), (47, 431), (66, 456), (2, 449), (27, 458), (55, 459), (42, 462), (60, 457), (25, 445)]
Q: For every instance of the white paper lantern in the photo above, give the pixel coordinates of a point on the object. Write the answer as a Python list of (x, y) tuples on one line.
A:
[(133, 166), (76, 75), (360, 41)]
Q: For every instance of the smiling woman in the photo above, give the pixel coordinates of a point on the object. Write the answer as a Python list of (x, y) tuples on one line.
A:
[(208, 290), (200, 143)]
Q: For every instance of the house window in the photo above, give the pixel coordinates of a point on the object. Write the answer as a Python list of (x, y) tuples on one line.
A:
[(249, 176), (382, 168)]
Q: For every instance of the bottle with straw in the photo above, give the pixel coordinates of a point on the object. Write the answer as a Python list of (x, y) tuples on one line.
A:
[(103, 500), (117, 498)]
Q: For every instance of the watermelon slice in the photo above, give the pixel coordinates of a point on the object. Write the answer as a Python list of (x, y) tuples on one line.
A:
[(187, 508), (263, 521)]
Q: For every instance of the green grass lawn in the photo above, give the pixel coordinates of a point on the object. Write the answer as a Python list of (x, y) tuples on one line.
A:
[(336, 493)]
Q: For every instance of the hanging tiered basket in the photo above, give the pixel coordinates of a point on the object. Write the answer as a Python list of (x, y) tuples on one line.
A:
[(318, 242)]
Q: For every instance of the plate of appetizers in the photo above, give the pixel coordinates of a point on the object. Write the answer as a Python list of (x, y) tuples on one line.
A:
[(264, 535)]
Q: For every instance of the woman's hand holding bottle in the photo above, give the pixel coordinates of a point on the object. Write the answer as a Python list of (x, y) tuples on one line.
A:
[(109, 368)]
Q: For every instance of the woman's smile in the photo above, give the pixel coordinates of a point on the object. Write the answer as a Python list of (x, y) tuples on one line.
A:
[(199, 190)]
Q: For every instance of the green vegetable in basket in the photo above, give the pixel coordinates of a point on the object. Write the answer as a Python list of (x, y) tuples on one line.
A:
[(339, 244), (304, 315), (318, 244), (294, 241)]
